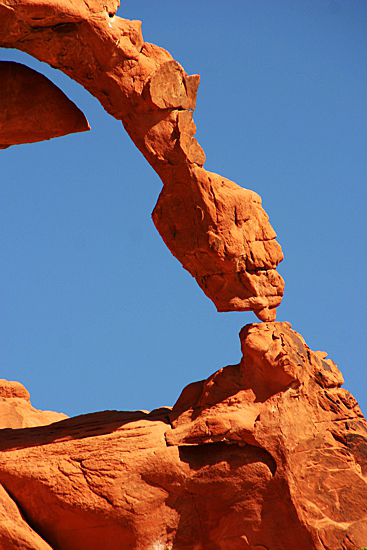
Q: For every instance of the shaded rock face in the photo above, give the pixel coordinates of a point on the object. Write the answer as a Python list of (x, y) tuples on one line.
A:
[(215, 228), (33, 108), (267, 454)]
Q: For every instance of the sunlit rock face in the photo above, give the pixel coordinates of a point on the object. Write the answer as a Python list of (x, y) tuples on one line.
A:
[(215, 228), (270, 453), (16, 410)]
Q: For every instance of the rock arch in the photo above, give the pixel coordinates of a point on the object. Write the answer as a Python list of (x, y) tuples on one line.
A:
[(215, 228)]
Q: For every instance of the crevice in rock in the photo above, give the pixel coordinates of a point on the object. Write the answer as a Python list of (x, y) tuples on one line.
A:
[(165, 433), (199, 518), (25, 516), (211, 452), (350, 546), (90, 486), (60, 28), (338, 438)]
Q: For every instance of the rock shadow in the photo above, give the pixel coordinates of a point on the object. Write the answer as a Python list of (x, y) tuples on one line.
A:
[(77, 427)]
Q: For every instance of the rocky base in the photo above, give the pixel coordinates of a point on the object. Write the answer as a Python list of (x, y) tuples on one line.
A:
[(268, 454)]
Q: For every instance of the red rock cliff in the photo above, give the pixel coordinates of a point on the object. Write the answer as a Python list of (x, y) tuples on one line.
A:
[(267, 454)]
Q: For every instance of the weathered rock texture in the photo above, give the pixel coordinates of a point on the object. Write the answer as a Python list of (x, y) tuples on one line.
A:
[(215, 228), (267, 454), (33, 108)]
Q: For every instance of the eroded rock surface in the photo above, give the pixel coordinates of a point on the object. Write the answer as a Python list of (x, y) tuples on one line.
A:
[(215, 228), (33, 108), (16, 410), (267, 454)]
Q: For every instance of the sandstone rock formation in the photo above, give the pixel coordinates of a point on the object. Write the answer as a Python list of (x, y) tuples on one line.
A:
[(269, 454), (16, 410), (33, 108), (215, 228)]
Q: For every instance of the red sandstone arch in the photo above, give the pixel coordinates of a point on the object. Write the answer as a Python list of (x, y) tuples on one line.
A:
[(215, 228)]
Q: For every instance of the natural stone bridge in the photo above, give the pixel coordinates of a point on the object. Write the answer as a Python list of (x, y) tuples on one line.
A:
[(269, 454), (215, 228)]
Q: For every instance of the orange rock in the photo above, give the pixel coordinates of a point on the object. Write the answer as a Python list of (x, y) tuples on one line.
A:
[(167, 87), (33, 108), (222, 236), (16, 410), (269, 453), (266, 454), (14, 530), (216, 229)]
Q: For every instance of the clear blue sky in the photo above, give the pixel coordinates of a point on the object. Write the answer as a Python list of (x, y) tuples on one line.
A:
[(95, 312)]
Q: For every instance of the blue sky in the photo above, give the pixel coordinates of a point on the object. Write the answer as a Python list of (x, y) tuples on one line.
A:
[(96, 312)]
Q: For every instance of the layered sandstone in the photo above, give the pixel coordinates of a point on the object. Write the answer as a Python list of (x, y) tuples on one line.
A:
[(33, 108), (215, 228), (267, 454)]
